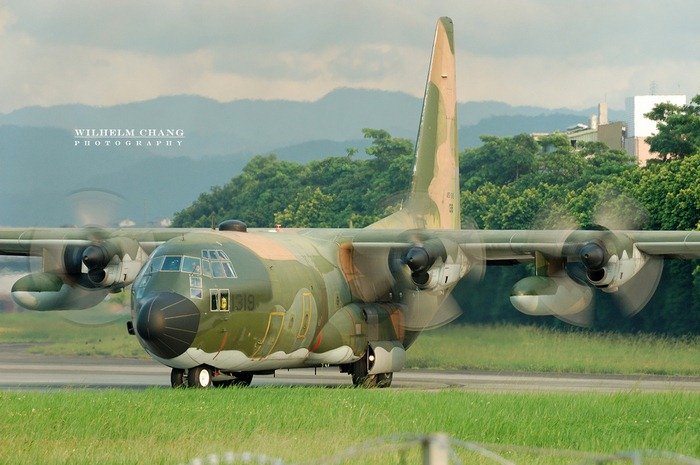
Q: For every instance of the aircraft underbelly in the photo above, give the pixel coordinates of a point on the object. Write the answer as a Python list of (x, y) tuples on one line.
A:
[(234, 360)]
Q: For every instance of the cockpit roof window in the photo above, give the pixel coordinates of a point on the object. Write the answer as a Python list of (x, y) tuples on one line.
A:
[(228, 269), (171, 263), (217, 269)]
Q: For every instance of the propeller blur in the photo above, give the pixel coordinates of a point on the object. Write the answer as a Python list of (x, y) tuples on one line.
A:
[(220, 305)]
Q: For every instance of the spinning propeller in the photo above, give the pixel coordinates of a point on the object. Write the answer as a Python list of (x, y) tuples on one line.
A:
[(606, 261), (79, 266), (424, 272)]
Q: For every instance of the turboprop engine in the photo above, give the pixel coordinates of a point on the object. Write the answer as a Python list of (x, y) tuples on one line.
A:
[(611, 263), (434, 264), (80, 276), (608, 270), (114, 263)]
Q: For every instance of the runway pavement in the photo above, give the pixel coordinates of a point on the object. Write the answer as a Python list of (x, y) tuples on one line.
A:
[(21, 370)]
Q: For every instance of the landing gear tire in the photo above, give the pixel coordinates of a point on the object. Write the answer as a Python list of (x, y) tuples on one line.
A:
[(380, 380), (178, 378), (199, 377), (384, 380), (360, 377)]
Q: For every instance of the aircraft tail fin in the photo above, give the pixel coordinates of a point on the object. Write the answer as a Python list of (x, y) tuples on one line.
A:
[(434, 199)]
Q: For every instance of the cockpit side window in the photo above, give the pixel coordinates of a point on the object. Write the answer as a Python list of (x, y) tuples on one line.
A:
[(155, 265), (217, 269), (191, 265), (229, 270)]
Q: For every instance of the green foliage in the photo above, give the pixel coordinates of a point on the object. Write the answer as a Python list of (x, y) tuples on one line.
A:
[(309, 208), (499, 160), (678, 129), (670, 192), (333, 192), (507, 183)]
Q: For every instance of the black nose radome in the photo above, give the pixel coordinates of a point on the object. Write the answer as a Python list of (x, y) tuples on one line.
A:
[(167, 324)]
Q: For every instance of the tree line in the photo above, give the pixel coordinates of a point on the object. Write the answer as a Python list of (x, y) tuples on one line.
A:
[(514, 182)]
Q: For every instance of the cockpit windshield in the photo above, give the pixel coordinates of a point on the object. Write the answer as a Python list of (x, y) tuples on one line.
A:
[(214, 264)]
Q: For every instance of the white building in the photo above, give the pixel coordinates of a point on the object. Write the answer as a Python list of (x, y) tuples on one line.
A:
[(639, 127)]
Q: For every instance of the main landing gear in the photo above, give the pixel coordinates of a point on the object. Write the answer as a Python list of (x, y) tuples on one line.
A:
[(205, 377), (361, 377)]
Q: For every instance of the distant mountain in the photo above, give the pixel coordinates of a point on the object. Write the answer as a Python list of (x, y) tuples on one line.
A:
[(307, 151), (40, 164), (39, 168), (242, 127), (247, 127)]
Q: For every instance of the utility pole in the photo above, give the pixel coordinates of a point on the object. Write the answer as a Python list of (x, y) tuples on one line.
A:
[(436, 449)]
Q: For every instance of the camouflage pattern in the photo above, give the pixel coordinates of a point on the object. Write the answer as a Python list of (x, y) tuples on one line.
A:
[(229, 302), (434, 199)]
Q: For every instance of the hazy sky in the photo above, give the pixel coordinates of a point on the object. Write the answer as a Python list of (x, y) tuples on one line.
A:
[(537, 52)]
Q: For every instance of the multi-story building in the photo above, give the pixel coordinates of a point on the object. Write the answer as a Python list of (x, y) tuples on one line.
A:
[(639, 127), (599, 130)]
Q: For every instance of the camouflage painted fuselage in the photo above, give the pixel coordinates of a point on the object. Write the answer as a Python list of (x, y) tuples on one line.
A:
[(288, 304)]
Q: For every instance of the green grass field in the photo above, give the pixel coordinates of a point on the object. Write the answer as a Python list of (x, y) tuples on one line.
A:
[(297, 424), (490, 348), (529, 348), (303, 424), (100, 331)]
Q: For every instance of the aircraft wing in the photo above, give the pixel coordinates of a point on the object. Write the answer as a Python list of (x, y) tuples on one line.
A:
[(36, 241), (522, 245), (570, 266), (494, 246)]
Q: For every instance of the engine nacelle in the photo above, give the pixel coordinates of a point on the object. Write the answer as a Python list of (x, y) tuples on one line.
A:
[(114, 263), (47, 291), (608, 267), (557, 295), (437, 264)]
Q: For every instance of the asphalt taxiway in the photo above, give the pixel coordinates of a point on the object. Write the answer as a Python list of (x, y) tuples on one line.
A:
[(21, 370)]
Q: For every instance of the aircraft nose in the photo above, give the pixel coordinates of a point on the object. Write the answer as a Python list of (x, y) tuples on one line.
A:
[(167, 324)]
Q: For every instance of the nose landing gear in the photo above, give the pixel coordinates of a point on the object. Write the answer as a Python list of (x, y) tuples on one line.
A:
[(199, 377)]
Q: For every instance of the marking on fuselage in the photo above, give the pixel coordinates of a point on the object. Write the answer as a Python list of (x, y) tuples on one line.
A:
[(262, 342), (305, 315), (221, 346), (263, 247), (317, 344)]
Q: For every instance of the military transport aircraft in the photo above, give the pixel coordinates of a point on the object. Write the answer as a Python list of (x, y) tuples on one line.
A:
[(219, 306)]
